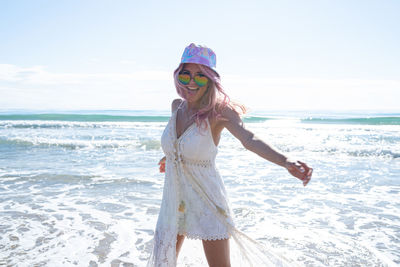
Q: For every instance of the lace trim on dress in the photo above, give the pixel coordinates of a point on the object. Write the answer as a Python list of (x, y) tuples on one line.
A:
[(202, 237), (193, 162)]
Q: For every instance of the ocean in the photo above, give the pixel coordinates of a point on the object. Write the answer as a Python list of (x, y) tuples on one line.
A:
[(82, 188)]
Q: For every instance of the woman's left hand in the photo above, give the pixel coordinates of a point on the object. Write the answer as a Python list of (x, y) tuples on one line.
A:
[(162, 164), (299, 170)]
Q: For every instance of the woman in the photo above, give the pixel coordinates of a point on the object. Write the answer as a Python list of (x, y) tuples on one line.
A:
[(194, 203)]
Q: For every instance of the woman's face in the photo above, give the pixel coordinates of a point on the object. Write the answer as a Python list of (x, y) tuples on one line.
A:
[(193, 91)]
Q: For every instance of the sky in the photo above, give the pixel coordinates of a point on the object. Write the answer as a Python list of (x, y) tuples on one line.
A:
[(272, 55)]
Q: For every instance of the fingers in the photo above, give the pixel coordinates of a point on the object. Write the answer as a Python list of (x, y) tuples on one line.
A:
[(307, 170), (308, 176), (162, 167), (161, 163), (306, 181), (304, 165)]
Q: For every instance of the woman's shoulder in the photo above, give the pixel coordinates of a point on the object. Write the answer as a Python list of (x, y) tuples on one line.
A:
[(175, 104), (227, 114)]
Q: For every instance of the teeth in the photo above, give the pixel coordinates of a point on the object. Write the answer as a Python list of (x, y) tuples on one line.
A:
[(193, 88)]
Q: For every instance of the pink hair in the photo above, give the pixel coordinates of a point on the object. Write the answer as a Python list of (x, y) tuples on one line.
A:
[(214, 99)]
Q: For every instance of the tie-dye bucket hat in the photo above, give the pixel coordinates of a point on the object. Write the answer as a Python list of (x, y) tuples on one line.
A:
[(200, 55)]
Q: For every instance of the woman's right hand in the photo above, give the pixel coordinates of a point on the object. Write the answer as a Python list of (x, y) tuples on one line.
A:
[(162, 164)]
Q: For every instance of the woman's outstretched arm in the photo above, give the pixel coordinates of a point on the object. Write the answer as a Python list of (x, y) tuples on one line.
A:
[(235, 125)]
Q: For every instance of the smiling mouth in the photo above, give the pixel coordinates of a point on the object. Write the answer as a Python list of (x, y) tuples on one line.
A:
[(193, 89)]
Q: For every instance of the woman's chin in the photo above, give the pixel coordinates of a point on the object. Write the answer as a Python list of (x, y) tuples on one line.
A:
[(190, 99), (191, 95)]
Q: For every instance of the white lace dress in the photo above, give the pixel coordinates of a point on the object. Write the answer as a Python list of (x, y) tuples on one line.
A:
[(194, 200)]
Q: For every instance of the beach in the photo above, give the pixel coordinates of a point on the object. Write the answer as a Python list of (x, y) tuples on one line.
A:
[(83, 188)]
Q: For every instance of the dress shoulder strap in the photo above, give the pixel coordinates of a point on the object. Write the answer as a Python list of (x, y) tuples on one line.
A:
[(181, 104), (179, 107)]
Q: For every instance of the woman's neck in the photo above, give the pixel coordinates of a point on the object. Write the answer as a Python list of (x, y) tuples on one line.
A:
[(192, 106)]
